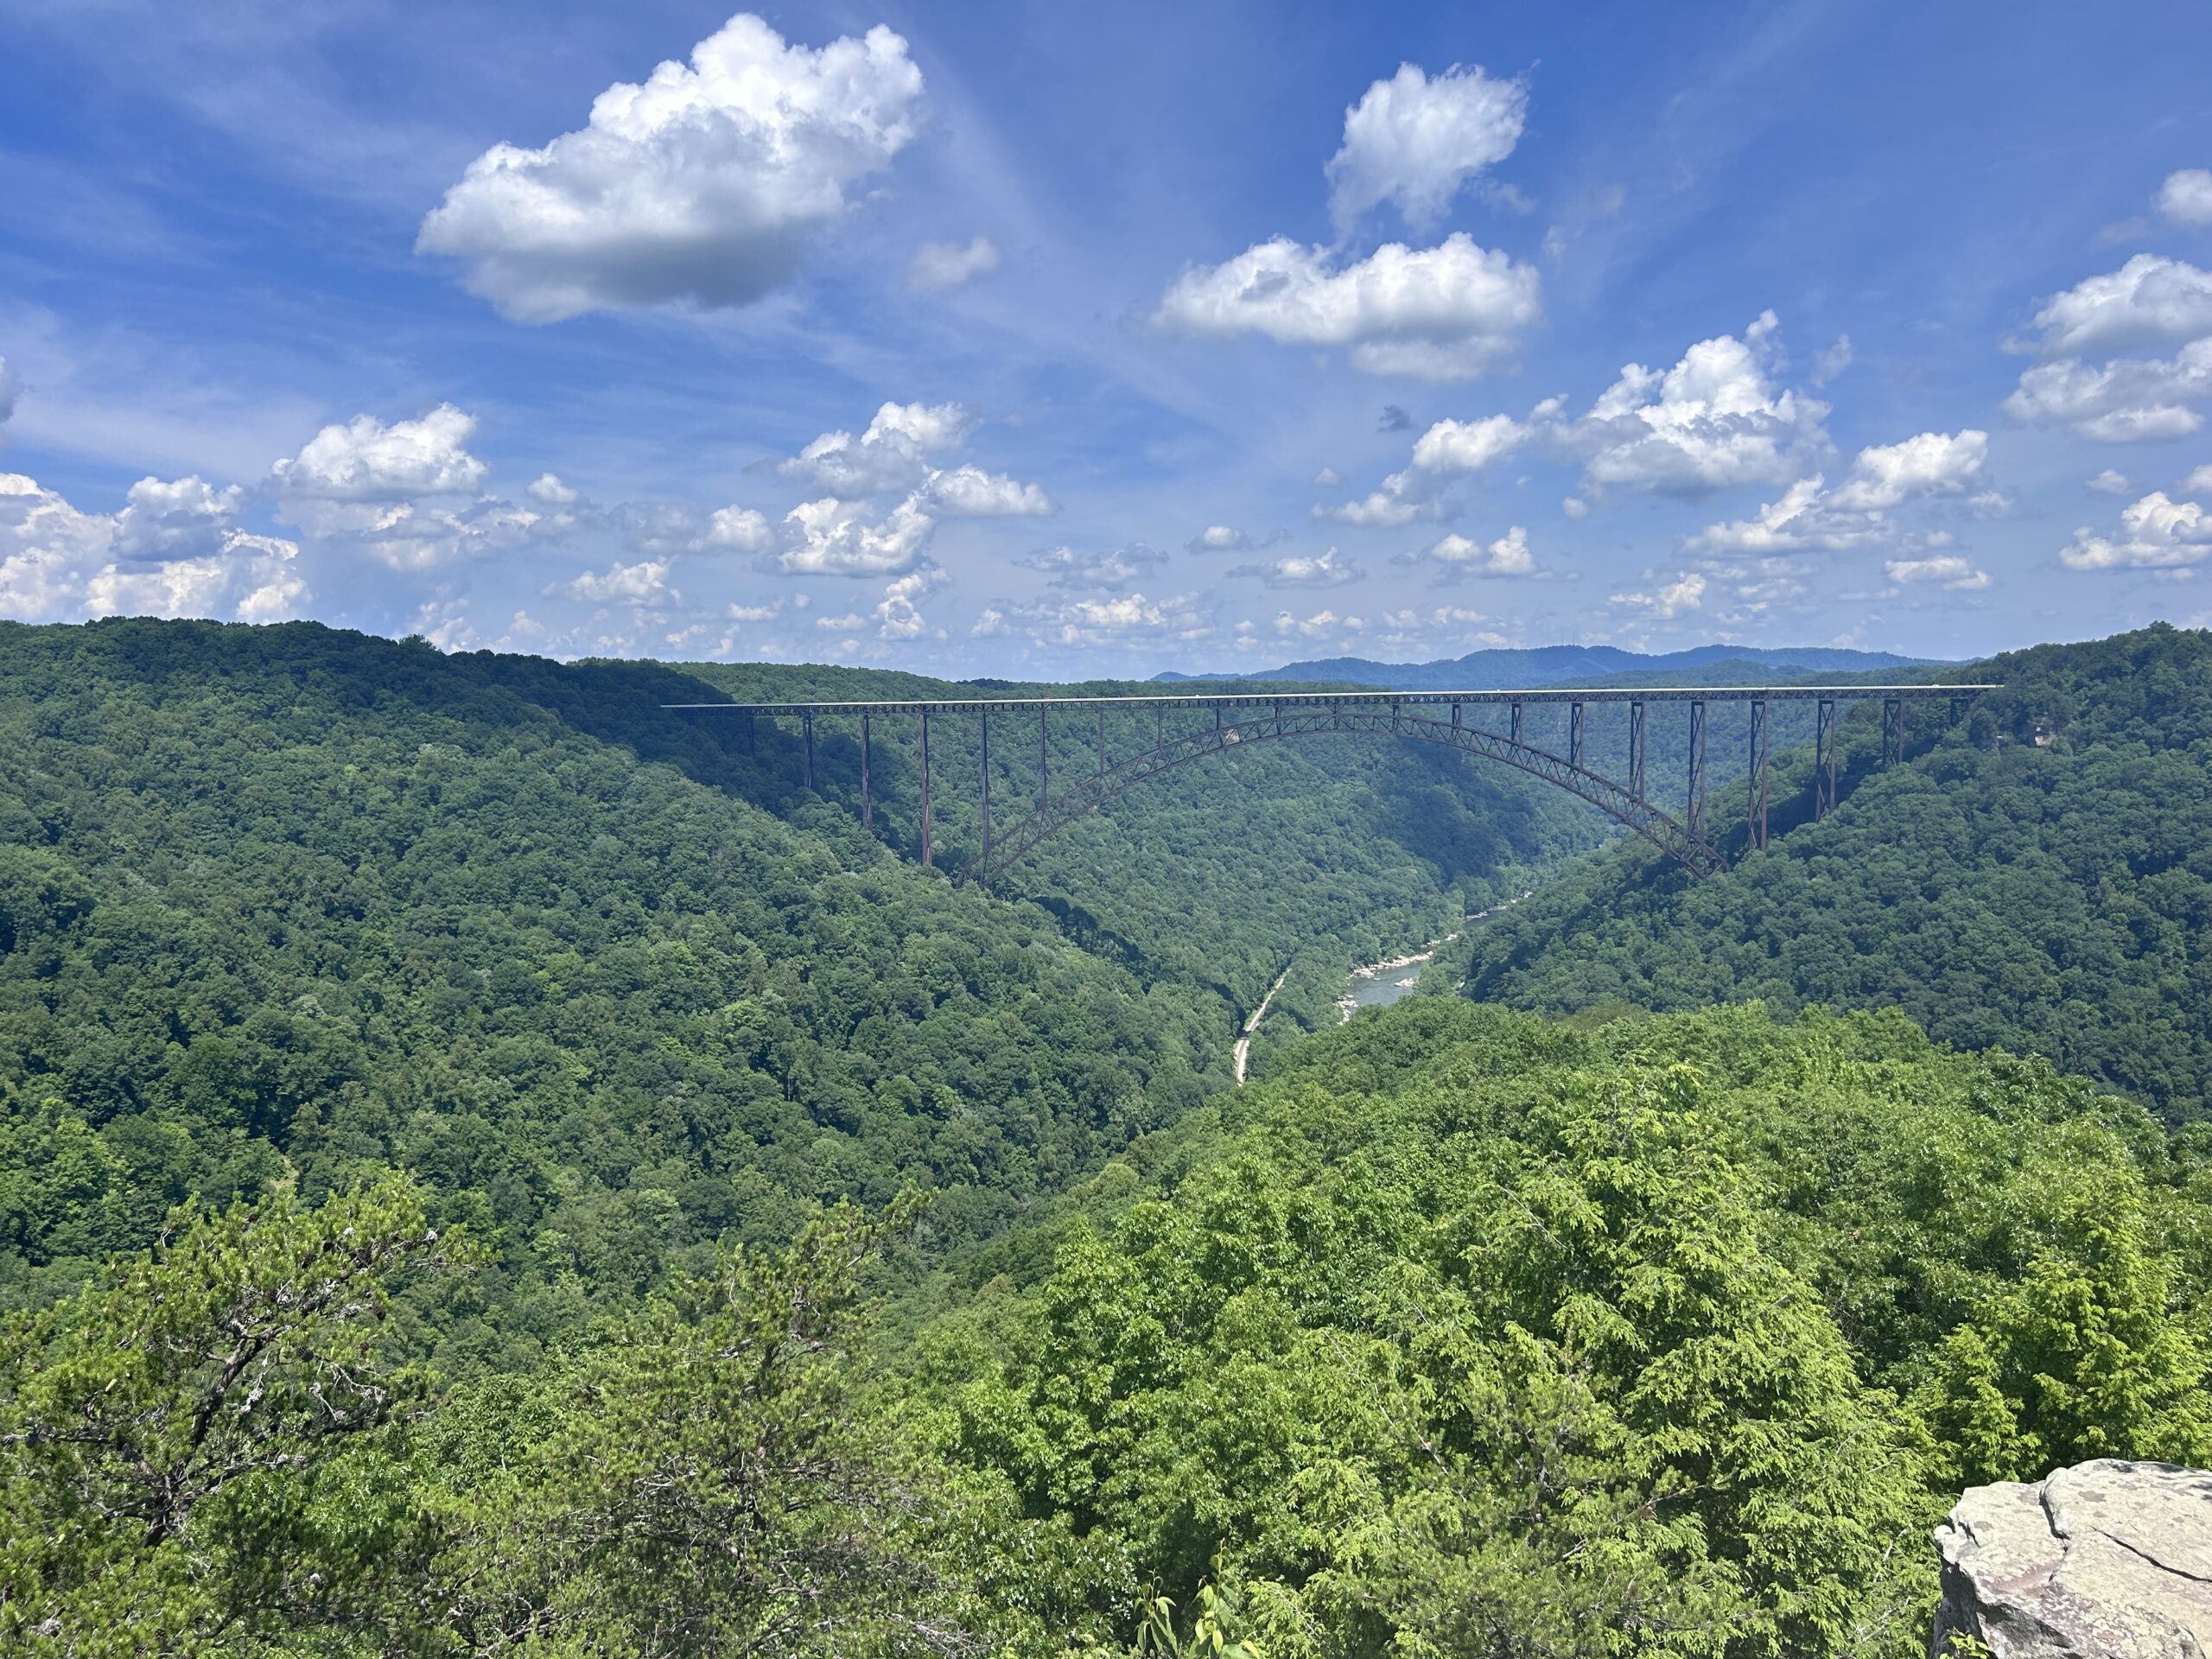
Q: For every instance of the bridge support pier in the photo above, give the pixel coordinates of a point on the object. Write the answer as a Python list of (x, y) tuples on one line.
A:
[(928, 848), (807, 721), (1635, 751), (1824, 747), (1756, 810), (1693, 805), (987, 785), (1102, 743), (1044, 764), (1892, 732), (1516, 722), (867, 796), (1574, 735)]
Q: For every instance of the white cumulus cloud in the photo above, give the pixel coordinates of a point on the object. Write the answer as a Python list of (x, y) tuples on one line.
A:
[(406, 493), (1067, 566), (1451, 447), (1448, 450), (1384, 509), (740, 529), (1663, 603), (1415, 141), (948, 264), (1508, 555), (832, 537), (1714, 420), (1801, 518), (2156, 533), (1855, 512), (1446, 313), (966, 492), (1328, 570), (703, 186), (893, 453), (1318, 625), (365, 460), (175, 549), (1127, 620), (1947, 570), (1933, 463), (183, 517), (2151, 300), (2186, 197), (1219, 538), (898, 615), (644, 582), (2129, 400)]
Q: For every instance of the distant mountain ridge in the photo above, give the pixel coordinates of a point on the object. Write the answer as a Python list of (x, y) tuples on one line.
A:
[(1502, 669)]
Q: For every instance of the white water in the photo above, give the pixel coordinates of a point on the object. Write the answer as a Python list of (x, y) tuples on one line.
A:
[(1381, 983)]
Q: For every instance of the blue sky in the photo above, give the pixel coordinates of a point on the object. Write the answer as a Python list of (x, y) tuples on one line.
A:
[(1060, 342)]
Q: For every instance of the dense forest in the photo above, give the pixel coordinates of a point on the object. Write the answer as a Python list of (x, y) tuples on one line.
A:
[(1468, 1333), (292, 905), (490, 1167), (2039, 877)]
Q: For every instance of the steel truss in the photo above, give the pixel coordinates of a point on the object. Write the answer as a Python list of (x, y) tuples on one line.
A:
[(1259, 717), (1663, 832)]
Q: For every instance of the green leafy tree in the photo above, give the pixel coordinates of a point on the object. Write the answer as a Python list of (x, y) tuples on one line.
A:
[(183, 1446), (698, 1479), (2081, 1356)]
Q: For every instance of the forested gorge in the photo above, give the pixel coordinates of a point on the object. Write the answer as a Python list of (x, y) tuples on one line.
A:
[(2039, 877), (491, 1167), (296, 905)]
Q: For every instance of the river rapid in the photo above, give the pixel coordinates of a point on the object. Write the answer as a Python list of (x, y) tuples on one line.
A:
[(1381, 983), (1374, 986)]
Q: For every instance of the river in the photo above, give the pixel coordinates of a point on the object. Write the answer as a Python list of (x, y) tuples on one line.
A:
[(1381, 983), (1375, 986)]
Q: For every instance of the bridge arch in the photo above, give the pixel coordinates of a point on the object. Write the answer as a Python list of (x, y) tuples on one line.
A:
[(1094, 790)]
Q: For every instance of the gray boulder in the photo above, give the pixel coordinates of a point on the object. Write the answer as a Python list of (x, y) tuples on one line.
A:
[(2104, 1558)]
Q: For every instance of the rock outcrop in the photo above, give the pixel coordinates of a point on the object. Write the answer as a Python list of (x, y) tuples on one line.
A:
[(2104, 1558)]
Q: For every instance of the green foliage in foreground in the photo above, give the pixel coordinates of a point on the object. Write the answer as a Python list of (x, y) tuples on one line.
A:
[(2040, 876), (1470, 1334)]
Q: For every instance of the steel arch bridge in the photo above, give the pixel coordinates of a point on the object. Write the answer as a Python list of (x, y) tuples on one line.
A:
[(1439, 717)]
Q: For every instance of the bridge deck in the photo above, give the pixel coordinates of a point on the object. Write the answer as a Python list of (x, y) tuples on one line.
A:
[(1292, 700)]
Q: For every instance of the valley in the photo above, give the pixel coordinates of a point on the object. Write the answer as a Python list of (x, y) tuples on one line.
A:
[(1085, 1242), (1023, 831)]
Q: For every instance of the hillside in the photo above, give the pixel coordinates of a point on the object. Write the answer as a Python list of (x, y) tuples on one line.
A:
[(1671, 1336), (285, 905), (497, 1051), (1503, 670), (1616, 1341), (2038, 879)]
